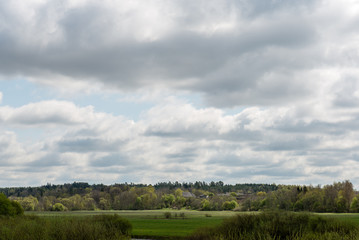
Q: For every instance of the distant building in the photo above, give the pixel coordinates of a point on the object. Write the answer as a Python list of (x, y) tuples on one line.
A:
[(188, 195)]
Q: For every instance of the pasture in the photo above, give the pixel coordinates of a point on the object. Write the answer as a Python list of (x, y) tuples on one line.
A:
[(153, 223), (181, 223)]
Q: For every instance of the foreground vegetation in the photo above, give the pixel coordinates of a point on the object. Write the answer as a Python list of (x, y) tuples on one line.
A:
[(192, 225), (9, 208), (156, 224), (279, 225), (99, 227), (178, 224)]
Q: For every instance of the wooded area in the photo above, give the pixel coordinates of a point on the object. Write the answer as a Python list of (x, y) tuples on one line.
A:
[(337, 197)]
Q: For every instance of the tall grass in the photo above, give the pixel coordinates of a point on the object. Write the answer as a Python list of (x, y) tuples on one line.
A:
[(279, 226), (101, 227)]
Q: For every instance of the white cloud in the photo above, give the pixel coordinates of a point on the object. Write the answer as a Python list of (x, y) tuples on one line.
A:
[(48, 113), (180, 142), (234, 53), (295, 79)]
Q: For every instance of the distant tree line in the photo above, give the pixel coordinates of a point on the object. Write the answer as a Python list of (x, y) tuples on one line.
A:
[(338, 197), (130, 196)]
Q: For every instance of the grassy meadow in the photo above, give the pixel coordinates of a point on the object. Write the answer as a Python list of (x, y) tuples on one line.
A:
[(153, 223), (179, 224)]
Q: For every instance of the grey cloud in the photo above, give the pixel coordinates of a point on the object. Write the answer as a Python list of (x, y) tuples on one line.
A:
[(228, 67), (116, 159), (225, 160), (269, 172), (315, 126), (50, 160), (185, 155), (287, 143), (233, 160), (325, 161), (281, 172), (345, 93), (83, 145)]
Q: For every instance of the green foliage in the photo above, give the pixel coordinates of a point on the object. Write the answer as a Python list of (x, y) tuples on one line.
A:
[(168, 200), (206, 205), (28, 203), (279, 225), (101, 227), (167, 215), (229, 205), (18, 210), (58, 207), (8, 207), (114, 225), (338, 197), (354, 207)]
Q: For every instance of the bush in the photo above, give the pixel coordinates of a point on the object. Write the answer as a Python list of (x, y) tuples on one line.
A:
[(114, 224), (167, 215), (8, 207), (229, 205), (279, 225), (102, 227), (58, 207)]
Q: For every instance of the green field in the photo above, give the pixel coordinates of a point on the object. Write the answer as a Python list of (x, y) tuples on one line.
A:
[(351, 217), (152, 223)]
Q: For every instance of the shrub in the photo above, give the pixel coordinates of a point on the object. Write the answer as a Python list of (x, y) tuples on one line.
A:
[(167, 215), (102, 227), (58, 207), (17, 208), (279, 225), (8, 207), (229, 205), (114, 224)]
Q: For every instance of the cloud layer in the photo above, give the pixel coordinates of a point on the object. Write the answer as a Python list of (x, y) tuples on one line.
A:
[(175, 140), (235, 53), (278, 87)]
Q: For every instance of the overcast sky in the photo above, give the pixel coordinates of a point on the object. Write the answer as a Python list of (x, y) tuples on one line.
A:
[(179, 90)]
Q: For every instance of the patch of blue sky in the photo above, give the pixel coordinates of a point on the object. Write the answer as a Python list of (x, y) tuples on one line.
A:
[(28, 136), (19, 92), (111, 103), (233, 111)]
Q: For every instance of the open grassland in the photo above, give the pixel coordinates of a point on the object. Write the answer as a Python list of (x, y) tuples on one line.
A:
[(99, 227), (153, 223), (157, 224), (350, 217), (280, 225)]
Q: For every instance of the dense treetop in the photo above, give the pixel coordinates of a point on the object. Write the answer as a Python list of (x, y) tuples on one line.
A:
[(338, 197)]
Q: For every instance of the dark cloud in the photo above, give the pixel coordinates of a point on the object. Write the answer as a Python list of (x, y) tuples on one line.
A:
[(291, 67), (255, 62), (183, 156)]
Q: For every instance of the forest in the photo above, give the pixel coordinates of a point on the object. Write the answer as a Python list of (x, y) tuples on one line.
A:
[(338, 197)]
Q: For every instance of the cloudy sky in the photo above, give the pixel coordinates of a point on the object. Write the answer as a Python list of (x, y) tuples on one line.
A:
[(179, 90)]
